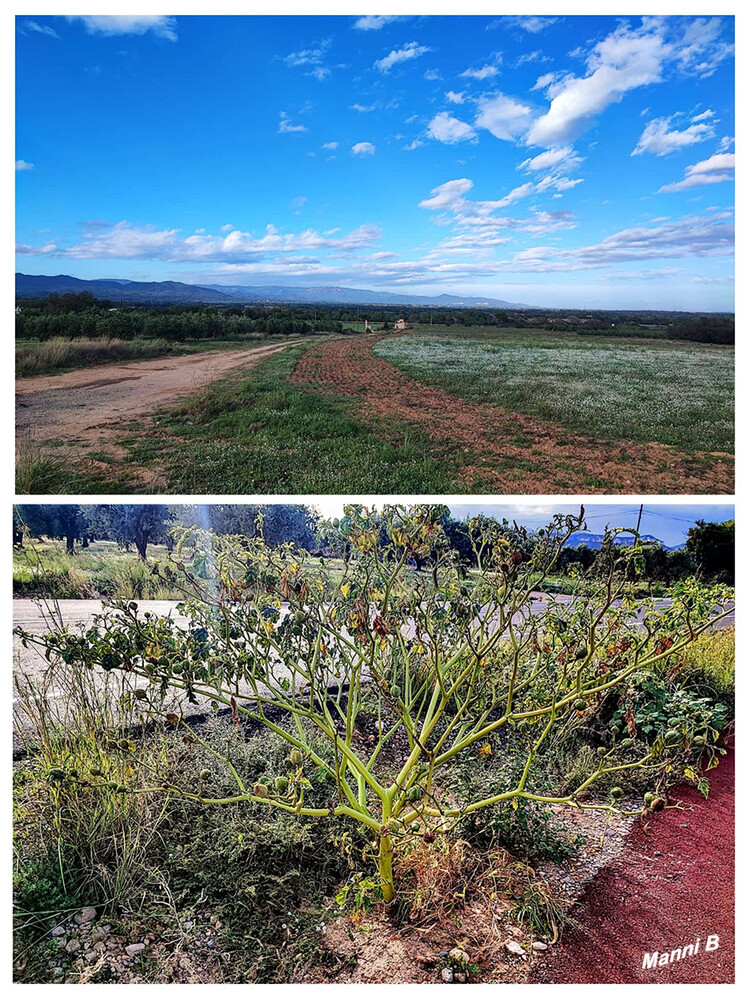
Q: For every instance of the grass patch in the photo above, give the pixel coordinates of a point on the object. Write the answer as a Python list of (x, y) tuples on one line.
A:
[(257, 433), (680, 394), (46, 569)]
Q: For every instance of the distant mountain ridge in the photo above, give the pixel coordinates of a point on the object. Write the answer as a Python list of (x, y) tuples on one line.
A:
[(590, 540), (179, 293)]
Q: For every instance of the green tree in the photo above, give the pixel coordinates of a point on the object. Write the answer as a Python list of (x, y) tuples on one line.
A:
[(712, 547), (137, 524), (55, 520)]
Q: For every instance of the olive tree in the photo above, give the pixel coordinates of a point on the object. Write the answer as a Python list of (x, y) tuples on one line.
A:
[(443, 659)]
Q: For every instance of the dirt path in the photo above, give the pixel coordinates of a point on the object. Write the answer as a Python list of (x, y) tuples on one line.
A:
[(509, 452), (673, 883), (86, 406)]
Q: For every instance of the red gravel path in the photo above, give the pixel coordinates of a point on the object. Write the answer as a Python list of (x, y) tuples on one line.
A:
[(671, 884)]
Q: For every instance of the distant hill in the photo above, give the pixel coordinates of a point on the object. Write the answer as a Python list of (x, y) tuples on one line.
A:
[(132, 292), (595, 540), (334, 294), (176, 292)]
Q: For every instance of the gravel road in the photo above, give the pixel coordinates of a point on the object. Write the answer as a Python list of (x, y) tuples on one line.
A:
[(88, 405)]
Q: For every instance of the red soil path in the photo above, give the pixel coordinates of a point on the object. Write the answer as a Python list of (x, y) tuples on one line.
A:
[(502, 450), (672, 883)]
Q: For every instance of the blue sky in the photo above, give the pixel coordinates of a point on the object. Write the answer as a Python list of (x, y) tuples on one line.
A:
[(669, 522), (572, 161)]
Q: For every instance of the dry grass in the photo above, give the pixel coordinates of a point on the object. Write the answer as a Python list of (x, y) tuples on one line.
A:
[(35, 358)]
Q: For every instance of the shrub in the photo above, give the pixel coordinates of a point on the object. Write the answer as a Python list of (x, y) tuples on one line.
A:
[(380, 688)]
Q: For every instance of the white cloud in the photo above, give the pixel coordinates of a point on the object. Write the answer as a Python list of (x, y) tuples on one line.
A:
[(531, 24), (362, 108), (628, 58), (448, 195), (40, 29), (225, 228), (285, 124), (560, 157), (505, 117), (546, 80), (535, 56), (445, 128), (482, 73), (704, 115), (432, 74), (363, 149), (660, 139), (330, 145), (690, 236), (374, 22), (716, 169), (128, 24), (314, 57), (23, 165), (409, 51), (455, 98), (125, 241)]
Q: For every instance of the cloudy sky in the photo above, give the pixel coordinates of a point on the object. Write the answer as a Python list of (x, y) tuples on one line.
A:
[(571, 161), (669, 522)]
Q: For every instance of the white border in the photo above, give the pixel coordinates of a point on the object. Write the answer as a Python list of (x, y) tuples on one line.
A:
[(742, 506)]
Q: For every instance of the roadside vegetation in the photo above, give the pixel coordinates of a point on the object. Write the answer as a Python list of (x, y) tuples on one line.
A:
[(677, 394), (41, 357), (356, 762)]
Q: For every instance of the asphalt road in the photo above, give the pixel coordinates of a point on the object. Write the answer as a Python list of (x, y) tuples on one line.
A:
[(31, 668)]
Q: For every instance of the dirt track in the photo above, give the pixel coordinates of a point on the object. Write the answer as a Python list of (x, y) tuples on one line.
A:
[(673, 883), (507, 452), (86, 406)]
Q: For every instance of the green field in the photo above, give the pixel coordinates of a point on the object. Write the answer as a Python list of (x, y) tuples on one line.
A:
[(681, 394)]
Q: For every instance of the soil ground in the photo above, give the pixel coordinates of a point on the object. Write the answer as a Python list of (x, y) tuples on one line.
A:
[(510, 452), (673, 883), (86, 407)]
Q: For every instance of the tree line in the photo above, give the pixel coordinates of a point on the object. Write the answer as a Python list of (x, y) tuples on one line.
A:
[(74, 316), (708, 549)]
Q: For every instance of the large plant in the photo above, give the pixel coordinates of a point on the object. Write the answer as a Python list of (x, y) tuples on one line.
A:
[(443, 660)]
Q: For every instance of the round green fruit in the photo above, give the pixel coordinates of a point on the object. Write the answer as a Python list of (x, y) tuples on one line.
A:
[(205, 774), (282, 785), (617, 792), (579, 704)]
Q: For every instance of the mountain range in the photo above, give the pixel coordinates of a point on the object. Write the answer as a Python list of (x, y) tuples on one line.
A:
[(179, 293), (590, 540)]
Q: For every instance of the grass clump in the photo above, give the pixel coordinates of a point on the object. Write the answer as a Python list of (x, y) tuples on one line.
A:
[(103, 569), (708, 666), (35, 357)]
